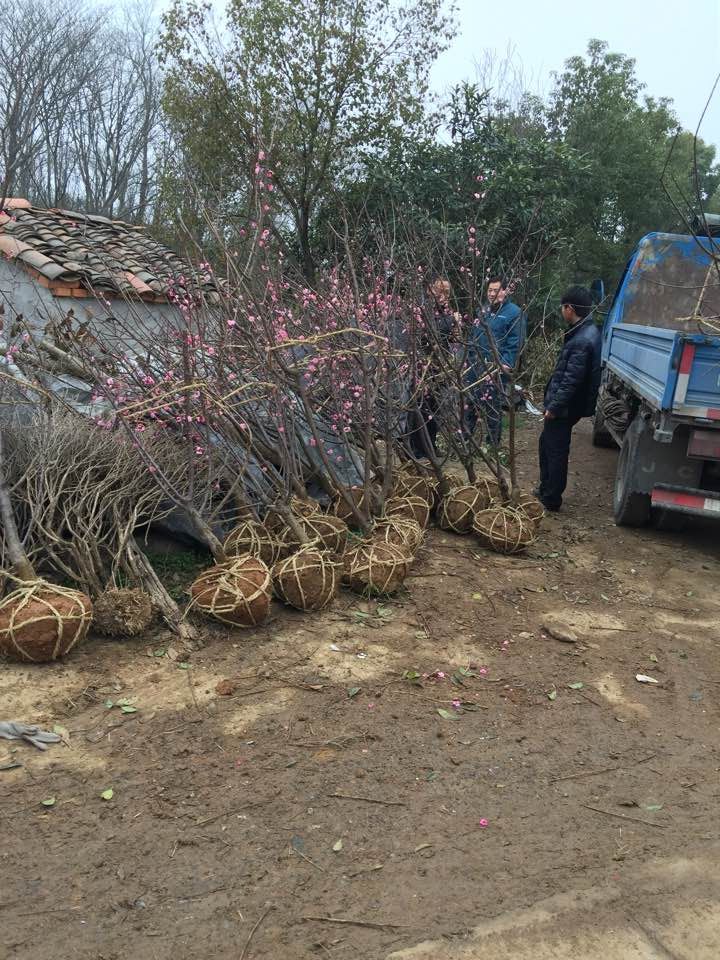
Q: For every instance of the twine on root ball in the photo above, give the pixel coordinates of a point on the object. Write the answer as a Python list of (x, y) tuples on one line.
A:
[(490, 491), (308, 580), (457, 510), (236, 592), (42, 621), (275, 521), (126, 612), (401, 531), (532, 508), (376, 568), (413, 507), (412, 485), (331, 532), (341, 509), (504, 529), (254, 539)]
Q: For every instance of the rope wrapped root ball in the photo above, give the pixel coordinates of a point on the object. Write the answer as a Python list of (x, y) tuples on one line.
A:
[(457, 510), (126, 612), (489, 490), (504, 529), (41, 621), (532, 508), (237, 592), (330, 532), (254, 539), (308, 580), (400, 531), (274, 520), (412, 507), (376, 568), (341, 509), (412, 485)]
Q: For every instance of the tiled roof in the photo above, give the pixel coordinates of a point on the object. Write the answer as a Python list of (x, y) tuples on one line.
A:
[(78, 254)]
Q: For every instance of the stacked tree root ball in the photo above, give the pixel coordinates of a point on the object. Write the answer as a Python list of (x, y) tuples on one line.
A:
[(304, 563)]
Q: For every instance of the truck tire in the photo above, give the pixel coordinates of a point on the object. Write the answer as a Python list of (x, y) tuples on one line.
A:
[(631, 509), (600, 435)]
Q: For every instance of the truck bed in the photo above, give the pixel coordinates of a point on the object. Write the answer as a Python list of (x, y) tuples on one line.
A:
[(674, 372)]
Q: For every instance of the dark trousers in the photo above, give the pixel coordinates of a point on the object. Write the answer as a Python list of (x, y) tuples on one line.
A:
[(554, 450), (487, 406), (421, 420)]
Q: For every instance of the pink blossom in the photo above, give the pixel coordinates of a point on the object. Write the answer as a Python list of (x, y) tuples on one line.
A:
[(483, 822)]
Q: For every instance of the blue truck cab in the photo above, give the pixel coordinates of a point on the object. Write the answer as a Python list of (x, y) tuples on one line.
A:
[(660, 391)]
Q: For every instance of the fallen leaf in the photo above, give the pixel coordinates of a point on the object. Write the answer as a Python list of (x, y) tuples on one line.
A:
[(183, 666), (107, 794), (653, 807), (48, 802), (644, 678), (447, 715), (423, 846), (478, 596), (337, 846), (109, 704), (353, 691), (126, 708), (578, 685), (552, 695), (653, 658)]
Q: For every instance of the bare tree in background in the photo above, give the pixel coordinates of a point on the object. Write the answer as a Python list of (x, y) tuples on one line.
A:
[(41, 74), (80, 112)]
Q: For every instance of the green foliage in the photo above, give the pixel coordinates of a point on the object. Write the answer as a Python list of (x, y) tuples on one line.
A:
[(316, 85)]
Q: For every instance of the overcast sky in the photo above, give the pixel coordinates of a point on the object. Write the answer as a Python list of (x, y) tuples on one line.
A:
[(676, 45)]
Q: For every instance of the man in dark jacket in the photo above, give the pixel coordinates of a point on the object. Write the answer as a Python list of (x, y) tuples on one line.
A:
[(571, 393), (442, 323), (498, 334)]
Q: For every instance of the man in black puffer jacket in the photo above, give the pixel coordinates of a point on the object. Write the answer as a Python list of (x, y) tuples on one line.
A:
[(571, 393)]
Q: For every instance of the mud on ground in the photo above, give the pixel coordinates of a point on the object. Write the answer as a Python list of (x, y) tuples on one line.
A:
[(320, 786)]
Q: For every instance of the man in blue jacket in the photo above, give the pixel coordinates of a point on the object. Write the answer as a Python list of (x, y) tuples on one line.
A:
[(571, 393), (500, 325)]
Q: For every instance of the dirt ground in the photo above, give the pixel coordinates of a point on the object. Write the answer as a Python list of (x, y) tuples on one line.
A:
[(327, 788)]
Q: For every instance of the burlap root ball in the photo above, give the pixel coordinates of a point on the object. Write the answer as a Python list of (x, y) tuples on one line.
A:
[(490, 491), (274, 520), (457, 510), (237, 592), (412, 485), (125, 612), (341, 509), (41, 621), (308, 580), (413, 507), (329, 532), (532, 508), (254, 539), (504, 529), (401, 531), (376, 568)]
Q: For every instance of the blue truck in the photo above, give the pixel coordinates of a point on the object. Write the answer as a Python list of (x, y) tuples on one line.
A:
[(659, 397)]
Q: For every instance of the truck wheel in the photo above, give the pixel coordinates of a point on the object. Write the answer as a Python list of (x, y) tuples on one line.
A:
[(631, 509), (600, 435)]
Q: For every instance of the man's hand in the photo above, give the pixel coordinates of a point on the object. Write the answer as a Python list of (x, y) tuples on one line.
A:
[(549, 415)]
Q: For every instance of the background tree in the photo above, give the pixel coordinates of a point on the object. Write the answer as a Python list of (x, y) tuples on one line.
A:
[(317, 86)]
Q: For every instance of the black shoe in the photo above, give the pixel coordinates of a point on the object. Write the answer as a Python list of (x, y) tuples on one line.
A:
[(550, 507)]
